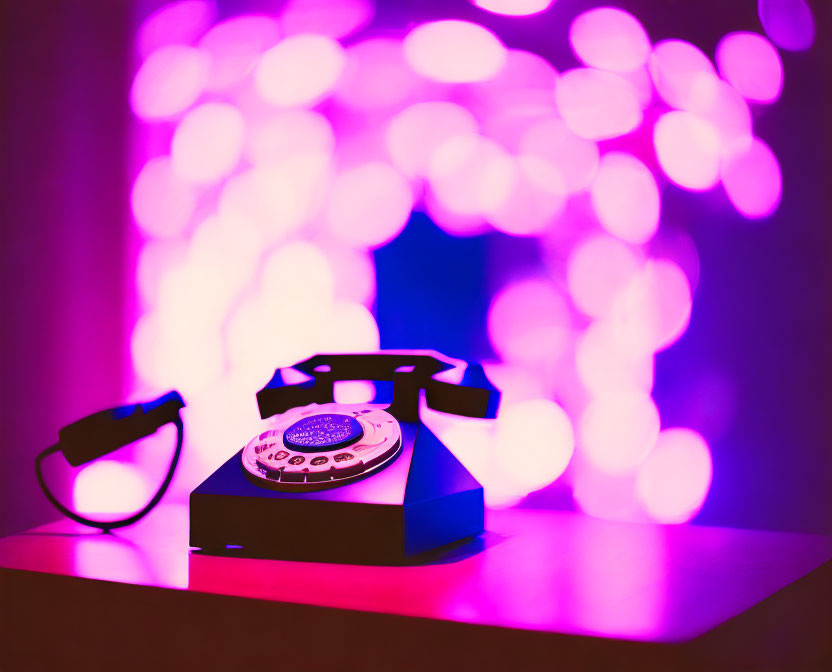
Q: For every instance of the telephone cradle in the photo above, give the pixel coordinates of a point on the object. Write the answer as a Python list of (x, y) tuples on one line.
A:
[(419, 502)]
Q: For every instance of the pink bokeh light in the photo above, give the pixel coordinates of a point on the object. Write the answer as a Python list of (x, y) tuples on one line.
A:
[(752, 180), (609, 38), (333, 18), (513, 7), (471, 175), (626, 198), (677, 67), (176, 23), (596, 104), (369, 204), (234, 47), (168, 82), (534, 441), (752, 66), (575, 158), (376, 75), (653, 311), (529, 321), (414, 135), (675, 478), (300, 70), (688, 150), (788, 23), (454, 51), (597, 270), (266, 208), (109, 490), (161, 201), (618, 431), (208, 142)]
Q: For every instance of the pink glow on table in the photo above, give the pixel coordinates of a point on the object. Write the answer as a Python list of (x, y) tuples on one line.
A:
[(609, 38), (414, 135), (597, 269), (534, 442), (529, 321), (235, 46), (616, 432), (688, 149), (175, 23), (653, 311), (540, 570), (788, 23), (596, 104), (752, 180), (168, 82), (675, 478), (752, 65), (369, 204), (575, 158), (161, 201), (676, 67), (626, 198), (208, 142), (300, 70), (513, 7), (333, 18), (376, 75), (454, 51)]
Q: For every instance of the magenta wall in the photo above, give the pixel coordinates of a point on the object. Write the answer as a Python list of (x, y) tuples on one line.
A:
[(64, 230)]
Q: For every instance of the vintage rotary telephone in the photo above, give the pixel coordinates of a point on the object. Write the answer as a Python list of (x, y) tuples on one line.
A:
[(341, 482)]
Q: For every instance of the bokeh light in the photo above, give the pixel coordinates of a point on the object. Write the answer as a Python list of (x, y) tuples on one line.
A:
[(529, 321), (176, 23), (788, 23), (376, 75), (596, 104), (618, 431), (300, 70), (513, 7), (688, 150), (675, 478), (414, 135), (168, 82), (609, 38), (653, 311), (208, 142), (260, 217), (752, 66), (108, 490), (752, 180), (534, 442), (598, 269), (454, 51), (333, 18), (162, 202), (471, 175), (369, 205), (626, 198), (235, 46), (677, 68), (575, 158)]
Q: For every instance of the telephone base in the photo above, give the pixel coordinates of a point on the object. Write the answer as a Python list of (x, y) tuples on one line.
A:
[(423, 500)]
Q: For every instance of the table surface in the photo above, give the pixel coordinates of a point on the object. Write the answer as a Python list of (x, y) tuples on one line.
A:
[(548, 571)]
